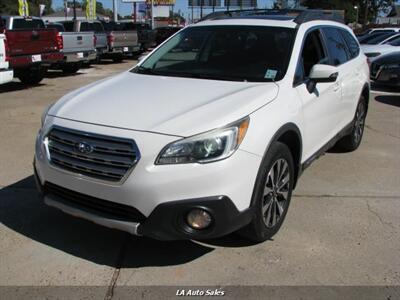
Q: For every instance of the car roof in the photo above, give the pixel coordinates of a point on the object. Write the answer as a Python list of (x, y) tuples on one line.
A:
[(272, 17)]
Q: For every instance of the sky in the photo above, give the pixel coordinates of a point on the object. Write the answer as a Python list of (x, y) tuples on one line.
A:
[(126, 8)]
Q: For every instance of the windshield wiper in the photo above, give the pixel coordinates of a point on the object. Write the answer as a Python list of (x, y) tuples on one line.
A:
[(144, 70)]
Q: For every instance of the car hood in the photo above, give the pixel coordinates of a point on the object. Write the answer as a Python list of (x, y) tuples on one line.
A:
[(168, 105), (391, 58)]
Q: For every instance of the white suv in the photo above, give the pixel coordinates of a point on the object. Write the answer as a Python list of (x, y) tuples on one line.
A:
[(209, 133)]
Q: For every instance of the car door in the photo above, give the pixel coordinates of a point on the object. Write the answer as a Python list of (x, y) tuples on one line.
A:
[(320, 107)]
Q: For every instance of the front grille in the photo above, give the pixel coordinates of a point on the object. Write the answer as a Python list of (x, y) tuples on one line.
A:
[(97, 156), (96, 205)]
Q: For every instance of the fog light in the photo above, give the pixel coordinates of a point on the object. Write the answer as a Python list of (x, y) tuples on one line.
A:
[(198, 219)]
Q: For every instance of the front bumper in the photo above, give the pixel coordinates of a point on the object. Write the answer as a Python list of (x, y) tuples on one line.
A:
[(166, 222), (6, 75), (162, 195)]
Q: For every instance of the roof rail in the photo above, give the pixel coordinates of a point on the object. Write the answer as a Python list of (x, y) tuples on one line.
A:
[(300, 16)]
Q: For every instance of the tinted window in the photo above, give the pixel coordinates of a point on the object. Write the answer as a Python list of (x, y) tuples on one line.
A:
[(395, 42), (313, 53), (336, 46), (352, 44), (391, 39), (378, 39), (235, 53), (85, 26), (28, 24), (98, 27), (69, 26), (59, 27)]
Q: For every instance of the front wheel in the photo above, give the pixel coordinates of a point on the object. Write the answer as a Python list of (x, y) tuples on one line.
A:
[(352, 141), (272, 194)]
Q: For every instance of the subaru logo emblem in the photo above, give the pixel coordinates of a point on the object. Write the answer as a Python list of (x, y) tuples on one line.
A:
[(84, 147)]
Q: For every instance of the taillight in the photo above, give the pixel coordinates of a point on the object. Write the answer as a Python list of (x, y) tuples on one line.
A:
[(59, 41), (110, 39), (7, 50), (94, 41)]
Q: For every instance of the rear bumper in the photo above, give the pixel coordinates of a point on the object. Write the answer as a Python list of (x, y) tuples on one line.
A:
[(81, 56), (26, 61), (123, 49), (6, 75)]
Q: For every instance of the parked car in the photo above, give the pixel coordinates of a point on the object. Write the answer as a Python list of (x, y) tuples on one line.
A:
[(90, 26), (209, 133), (121, 41), (376, 38), (77, 47), (163, 33), (375, 51), (385, 70), (6, 74), (31, 47), (146, 35)]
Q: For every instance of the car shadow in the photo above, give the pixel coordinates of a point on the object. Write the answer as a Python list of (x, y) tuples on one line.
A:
[(22, 211), (17, 86), (389, 99), (59, 73)]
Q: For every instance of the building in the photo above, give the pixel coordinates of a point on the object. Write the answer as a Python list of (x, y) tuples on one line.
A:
[(392, 18)]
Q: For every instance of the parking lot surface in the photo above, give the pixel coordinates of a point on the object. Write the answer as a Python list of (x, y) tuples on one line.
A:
[(343, 226)]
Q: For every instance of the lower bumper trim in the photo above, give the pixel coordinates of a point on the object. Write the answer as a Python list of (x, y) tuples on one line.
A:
[(130, 227)]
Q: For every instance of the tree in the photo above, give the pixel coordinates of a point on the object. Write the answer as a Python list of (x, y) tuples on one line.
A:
[(368, 9), (10, 7)]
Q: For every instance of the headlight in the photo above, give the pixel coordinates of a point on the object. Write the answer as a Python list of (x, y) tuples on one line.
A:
[(206, 147), (44, 114)]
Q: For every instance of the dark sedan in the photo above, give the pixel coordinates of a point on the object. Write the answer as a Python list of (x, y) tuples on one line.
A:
[(386, 70)]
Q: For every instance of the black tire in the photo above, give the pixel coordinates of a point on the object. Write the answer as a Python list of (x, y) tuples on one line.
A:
[(71, 68), (352, 141), (31, 76), (267, 199)]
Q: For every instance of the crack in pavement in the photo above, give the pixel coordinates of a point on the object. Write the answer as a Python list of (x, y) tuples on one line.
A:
[(118, 265), (381, 132), (347, 196), (376, 214)]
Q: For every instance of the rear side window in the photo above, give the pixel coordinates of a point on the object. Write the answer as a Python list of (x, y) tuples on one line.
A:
[(69, 26), (28, 24), (336, 46), (85, 26), (98, 27), (352, 44)]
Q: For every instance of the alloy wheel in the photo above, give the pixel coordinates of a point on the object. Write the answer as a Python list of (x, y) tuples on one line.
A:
[(276, 193)]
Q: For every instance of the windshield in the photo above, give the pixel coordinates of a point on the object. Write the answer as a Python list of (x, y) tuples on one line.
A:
[(395, 42), (237, 53), (378, 39)]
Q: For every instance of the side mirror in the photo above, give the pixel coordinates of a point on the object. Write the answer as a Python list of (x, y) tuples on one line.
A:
[(321, 74)]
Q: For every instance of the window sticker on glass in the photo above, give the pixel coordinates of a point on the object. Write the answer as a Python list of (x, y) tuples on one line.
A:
[(271, 74)]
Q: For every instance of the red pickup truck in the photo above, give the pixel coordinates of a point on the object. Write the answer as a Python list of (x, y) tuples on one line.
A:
[(31, 47)]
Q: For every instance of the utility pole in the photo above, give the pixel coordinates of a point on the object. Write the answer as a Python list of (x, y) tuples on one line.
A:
[(152, 14), (115, 10), (201, 8), (74, 10)]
